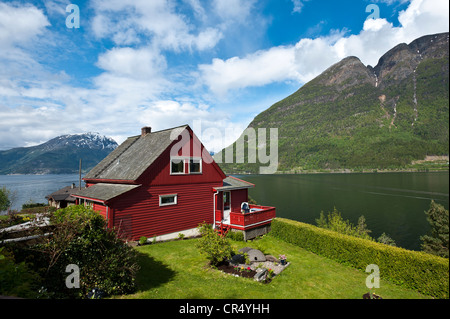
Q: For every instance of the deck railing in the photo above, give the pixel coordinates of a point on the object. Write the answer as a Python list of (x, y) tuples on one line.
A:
[(260, 216)]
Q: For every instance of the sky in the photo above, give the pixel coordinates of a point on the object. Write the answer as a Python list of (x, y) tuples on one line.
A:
[(114, 66)]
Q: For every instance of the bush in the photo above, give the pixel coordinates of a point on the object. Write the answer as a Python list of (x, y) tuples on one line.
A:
[(235, 235), (424, 272), (215, 247), (16, 279), (80, 237), (142, 240)]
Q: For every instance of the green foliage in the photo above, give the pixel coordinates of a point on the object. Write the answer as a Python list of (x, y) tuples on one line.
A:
[(335, 222), (385, 239), (423, 272), (142, 240), (235, 235), (16, 279), (5, 201), (437, 241), (215, 247), (80, 237)]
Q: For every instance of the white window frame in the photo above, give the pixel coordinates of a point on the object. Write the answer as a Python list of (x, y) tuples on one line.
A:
[(184, 165), (175, 196), (199, 159)]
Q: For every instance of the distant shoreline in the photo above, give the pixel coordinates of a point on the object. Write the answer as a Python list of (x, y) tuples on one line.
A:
[(348, 171)]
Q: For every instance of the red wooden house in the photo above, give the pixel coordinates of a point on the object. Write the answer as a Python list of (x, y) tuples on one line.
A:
[(160, 184)]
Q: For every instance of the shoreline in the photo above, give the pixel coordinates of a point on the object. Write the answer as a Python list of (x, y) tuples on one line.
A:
[(347, 171)]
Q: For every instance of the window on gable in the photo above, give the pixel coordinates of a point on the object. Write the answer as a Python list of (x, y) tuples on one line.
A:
[(195, 165), (177, 166), (165, 200)]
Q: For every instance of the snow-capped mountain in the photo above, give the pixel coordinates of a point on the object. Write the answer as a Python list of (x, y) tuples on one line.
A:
[(60, 155)]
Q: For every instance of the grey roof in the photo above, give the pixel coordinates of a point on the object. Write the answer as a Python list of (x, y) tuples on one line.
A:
[(134, 156), (230, 183), (63, 194), (104, 191)]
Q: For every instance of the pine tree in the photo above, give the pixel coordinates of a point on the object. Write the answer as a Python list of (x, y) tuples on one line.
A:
[(436, 242)]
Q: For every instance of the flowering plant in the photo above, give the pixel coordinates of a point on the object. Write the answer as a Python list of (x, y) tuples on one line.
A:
[(282, 257)]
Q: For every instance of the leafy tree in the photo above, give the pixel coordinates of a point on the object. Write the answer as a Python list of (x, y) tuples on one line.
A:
[(215, 247), (385, 239), (436, 242), (335, 222), (5, 201)]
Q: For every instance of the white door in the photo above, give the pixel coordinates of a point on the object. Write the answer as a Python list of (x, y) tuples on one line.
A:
[(226, 207)]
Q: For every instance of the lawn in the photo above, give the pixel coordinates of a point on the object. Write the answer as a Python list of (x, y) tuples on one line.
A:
[(177, 270)]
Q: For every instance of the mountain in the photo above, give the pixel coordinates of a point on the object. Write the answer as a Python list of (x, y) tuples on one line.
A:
[(354, 116), (60, 155)]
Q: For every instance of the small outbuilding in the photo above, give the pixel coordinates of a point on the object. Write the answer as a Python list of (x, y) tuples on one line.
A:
[(62, 197)]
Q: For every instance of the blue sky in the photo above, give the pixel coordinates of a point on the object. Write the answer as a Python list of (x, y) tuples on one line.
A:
[(164, 63)]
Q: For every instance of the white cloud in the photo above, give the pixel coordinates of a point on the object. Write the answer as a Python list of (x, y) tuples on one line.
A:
[(309, 57), (154, 21), (298, 5), (20, 24), (143, 63), (234, 10)]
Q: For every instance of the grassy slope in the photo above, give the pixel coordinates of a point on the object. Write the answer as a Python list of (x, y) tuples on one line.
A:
[(177, 270)]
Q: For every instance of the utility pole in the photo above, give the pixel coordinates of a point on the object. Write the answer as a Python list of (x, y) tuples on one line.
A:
[(80, 175)]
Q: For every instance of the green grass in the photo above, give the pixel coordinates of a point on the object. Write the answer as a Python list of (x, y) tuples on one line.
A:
[(177, 270)]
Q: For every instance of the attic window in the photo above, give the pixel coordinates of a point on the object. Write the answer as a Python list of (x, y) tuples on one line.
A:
[(166, 200), (176, 166), (195, 166)]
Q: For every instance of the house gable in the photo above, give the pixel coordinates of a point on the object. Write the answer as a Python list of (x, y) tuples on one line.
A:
[(145, 159), (185, 148)]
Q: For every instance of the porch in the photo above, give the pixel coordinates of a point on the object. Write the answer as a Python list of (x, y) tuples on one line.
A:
[(258, 216), (253, 220)]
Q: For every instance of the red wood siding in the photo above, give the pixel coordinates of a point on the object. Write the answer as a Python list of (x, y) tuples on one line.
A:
[(139, 214), (237, 198), (159, 172), (99, 208)]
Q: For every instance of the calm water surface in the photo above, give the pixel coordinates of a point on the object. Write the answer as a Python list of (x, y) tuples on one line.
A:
[(391, 202), (34, 188)]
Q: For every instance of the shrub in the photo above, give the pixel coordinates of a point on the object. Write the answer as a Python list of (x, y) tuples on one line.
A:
[(215, 247), (16, 279), (80, 237), (142, 240), (424, 272), (436, 242), (235, 235)]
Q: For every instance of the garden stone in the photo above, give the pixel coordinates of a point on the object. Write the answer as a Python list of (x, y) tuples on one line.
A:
[(256, 255), (245, 250), (261, 274), (272, 258)]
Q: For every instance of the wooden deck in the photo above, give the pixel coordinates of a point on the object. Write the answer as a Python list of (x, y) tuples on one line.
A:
[(258, 216)]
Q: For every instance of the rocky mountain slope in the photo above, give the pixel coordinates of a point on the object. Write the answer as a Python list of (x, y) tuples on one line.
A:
[(60, 155), (357, 116)]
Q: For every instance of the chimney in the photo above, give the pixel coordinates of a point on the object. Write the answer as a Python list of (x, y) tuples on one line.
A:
[(146, 130)]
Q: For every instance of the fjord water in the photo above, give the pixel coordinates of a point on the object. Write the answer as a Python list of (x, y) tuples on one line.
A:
[(34, 188), (393, 203)]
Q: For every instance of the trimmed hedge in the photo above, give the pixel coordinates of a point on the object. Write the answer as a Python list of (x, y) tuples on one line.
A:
[(423, 272)]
